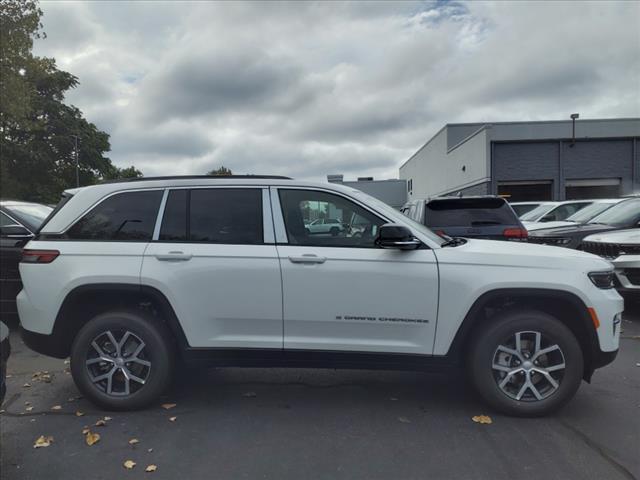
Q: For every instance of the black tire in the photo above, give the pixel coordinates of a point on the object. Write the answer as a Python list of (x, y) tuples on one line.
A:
[(505, 326), (158, 350)]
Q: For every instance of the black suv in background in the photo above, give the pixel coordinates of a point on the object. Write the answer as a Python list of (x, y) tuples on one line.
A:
[(472, 217), (625, 214), (19, 221)]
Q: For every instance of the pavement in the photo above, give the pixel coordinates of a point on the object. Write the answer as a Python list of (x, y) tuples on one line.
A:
[(320, 424)]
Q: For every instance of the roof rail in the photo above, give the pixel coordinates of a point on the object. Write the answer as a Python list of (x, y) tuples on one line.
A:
[(192, 177)]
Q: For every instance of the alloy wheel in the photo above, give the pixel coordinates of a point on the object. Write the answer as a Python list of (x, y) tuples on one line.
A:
[(117, 362), (528, 366)]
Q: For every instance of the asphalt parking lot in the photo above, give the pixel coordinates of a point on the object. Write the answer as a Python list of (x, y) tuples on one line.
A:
[(278, 423)]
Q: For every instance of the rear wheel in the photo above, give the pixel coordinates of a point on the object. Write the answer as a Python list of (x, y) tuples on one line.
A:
[(122, 360), (526, 363)]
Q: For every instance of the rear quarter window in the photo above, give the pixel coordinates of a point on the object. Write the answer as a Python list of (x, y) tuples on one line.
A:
[(129, 216)]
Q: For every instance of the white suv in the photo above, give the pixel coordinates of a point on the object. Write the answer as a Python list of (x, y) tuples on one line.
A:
[(127, 278)]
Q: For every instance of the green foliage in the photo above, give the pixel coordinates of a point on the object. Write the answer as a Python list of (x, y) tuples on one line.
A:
[(220, 171), (37, 129)]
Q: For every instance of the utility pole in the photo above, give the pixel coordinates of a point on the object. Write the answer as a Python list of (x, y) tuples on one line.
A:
[(75, 138)]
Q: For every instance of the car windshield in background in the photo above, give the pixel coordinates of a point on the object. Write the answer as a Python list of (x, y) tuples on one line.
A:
[(621, 214), (31, 214), (589, 212), (469, 212), (537, 212), (522, 209)]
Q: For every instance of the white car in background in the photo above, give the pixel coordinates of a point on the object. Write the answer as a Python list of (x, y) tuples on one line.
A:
[(555, 211), (325, 225), (581, 216), (622, 249), (523, 207)]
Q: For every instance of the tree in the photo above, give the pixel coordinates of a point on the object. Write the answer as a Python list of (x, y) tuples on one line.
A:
[(38, 131), (129, 172), (220, 171)]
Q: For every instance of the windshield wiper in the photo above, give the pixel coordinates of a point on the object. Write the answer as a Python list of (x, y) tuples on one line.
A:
[(454, 242), (485, 222)]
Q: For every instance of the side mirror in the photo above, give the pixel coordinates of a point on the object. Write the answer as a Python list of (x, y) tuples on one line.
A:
[(393, 235), (15, 232)]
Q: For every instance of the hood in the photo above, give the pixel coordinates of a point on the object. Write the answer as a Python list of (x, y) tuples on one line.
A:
[(534, 226), (521, 254), (626, 237), (580, 229)]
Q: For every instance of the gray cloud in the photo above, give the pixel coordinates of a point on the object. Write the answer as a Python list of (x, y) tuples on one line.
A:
[(305, 89)]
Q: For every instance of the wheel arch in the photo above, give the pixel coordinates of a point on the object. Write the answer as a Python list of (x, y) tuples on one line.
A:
[(565, 306), (86, 301)]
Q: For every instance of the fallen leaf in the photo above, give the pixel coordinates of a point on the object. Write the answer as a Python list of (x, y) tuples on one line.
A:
[(133, 441), (393, 399), (56, 407), (43, 441), (92, 438), (85, 430), (67, 361), (249, 394), (150, 450), (2, 411), (79, 413), (172, 419), (151, 468), (482, 419), (404, 420), (168, 406), (129, 464), (100, 423), (27, 403), (26, 385), (28, 409), (106, 419)]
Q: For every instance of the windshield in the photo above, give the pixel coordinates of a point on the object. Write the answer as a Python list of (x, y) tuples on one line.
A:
[(30, 214), (538, 212), (470, 212), (624, 213), (589, 212)]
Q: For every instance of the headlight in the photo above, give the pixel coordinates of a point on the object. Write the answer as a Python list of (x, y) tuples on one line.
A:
[(602, 279)]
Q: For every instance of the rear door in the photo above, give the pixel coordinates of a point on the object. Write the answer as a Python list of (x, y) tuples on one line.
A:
[(215, 260), (10, 252)]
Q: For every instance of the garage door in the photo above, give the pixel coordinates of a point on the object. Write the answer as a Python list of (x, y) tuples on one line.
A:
[(592, 188)]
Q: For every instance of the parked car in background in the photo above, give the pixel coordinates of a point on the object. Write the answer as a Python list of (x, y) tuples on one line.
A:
[(624, 214), (581, 216), (5, 351), (471, 217), (129, 278), (330, 226), (554, 211), (523, 207), (18, 223), (622, 249)]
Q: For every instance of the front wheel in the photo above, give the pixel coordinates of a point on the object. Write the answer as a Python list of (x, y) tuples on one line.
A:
[(525, 363), (122, 360)]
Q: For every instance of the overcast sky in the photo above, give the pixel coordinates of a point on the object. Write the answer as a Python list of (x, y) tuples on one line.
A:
[(309, 89)]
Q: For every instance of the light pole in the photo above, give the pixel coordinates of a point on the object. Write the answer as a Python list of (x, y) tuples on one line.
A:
[(573, 117), (75, 138)]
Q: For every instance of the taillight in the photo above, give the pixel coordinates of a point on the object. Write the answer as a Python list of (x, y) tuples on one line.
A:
[(515, 233), (441, 233), (39, 256)]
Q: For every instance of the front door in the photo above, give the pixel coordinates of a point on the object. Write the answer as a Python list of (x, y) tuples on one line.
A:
[(215, 260), (341, 292)]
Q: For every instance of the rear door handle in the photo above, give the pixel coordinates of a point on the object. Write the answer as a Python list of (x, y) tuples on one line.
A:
[(173, 256), (307, 258)]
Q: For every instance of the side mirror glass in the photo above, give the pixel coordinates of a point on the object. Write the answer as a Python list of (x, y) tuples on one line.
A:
[(14, 231), (393, 235)]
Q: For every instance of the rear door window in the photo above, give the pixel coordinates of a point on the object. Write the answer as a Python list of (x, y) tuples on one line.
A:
[(129, 216), (214, 215), (470, 212)]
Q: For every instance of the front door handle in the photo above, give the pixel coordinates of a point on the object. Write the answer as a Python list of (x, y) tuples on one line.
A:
[(174, 256), (307, 258)]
